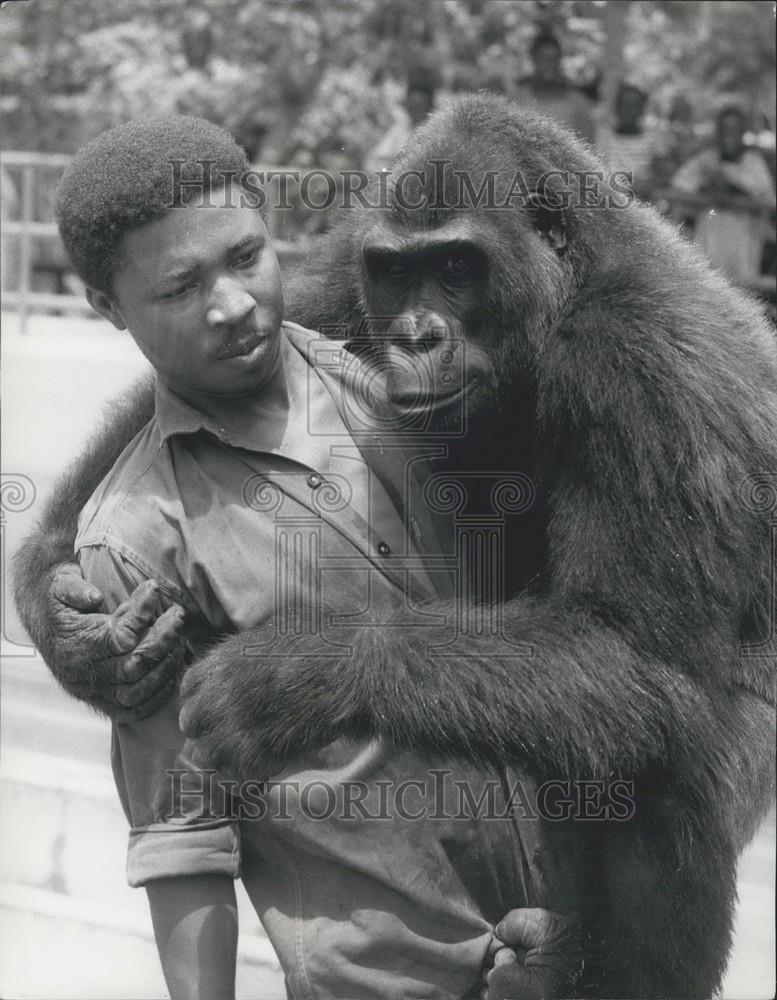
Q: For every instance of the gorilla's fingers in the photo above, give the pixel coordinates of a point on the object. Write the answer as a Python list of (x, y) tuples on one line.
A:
[(135, 696), (146, 708), (131, 619), (69, 587), (504, 956), (510, 981), (545, 950), (532, 928), (125, 702), (125, 715), (157, 643)]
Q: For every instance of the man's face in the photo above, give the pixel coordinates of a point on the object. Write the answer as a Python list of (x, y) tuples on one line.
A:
[(730, 136), (547, 63), (629, 108), (418, 105), (200, 291)]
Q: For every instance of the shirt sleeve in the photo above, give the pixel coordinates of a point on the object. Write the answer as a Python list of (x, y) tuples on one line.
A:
[(688, 179), (182, 818), (753, 176)]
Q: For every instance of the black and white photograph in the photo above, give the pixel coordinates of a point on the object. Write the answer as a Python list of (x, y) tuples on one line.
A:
[(388, 503)]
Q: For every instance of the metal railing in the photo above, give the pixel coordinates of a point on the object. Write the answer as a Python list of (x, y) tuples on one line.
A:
[(20, 235)]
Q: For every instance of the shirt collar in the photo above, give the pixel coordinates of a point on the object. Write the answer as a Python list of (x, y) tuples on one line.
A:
[(175, 416)]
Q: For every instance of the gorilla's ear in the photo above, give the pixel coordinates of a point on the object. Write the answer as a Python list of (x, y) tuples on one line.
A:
[(549, 221)]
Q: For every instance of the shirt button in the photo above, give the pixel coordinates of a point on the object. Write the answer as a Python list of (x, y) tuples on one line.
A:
[(383, 549), (314, 481)]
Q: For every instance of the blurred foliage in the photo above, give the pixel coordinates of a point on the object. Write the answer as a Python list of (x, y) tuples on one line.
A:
[(305, 79)]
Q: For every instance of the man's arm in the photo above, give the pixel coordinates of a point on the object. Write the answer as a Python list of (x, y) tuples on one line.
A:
[(195, 926), (89, 652)]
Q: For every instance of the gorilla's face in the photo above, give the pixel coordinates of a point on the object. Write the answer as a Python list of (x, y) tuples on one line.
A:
[(449, 308), (426, 292)]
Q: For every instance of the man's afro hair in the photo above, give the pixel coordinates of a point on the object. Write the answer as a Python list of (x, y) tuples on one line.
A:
[(131, 175)]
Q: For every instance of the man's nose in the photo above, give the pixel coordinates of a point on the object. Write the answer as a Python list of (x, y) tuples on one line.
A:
[(229, 303), (419, 325)]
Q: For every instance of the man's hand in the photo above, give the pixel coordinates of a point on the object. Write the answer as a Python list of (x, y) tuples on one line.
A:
[(124, 664), (536, 956)]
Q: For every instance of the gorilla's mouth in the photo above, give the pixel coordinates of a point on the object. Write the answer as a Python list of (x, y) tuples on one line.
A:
[(431, 398), (428, 379)]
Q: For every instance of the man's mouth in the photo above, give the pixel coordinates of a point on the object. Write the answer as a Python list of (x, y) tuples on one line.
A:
[(238, 347)]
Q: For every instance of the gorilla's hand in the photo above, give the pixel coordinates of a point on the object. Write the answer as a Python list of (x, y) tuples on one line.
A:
[(247, 713), (540, 957), (124, 663)]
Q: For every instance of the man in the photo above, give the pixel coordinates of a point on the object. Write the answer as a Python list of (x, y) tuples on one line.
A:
[(263, 491), (548, 90), (420, 94), (627, 144), (733, 193)]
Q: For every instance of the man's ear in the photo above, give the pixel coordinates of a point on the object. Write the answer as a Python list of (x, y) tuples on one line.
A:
[(105, 306), (549, 221)]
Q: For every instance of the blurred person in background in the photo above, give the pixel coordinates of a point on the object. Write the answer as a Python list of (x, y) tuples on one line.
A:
[(627, 143), (678, 142), (549, 91), (732, 194), (423, 82)]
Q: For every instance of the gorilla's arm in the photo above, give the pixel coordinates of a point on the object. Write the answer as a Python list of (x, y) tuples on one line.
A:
[(653, 563), (657, 571), (50, 546)]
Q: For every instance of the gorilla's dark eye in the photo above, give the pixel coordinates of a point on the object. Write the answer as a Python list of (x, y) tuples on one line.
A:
[(456, 266), (396, 270)]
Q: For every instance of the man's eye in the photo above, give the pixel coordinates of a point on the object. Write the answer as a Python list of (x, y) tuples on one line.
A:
[(456, 266), (247, 259), (179, 292)]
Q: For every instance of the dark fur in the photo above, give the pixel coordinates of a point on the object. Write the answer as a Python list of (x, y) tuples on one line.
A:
[(652, 389), (51, 543), (640, 393)]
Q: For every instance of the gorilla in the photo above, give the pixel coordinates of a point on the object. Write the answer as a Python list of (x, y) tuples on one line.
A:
[(594, 353)]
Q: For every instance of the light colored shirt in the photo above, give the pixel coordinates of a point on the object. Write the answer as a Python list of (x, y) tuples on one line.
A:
[(634, 154), (732, 236), (563, 104), (382, 899), (382, 156)]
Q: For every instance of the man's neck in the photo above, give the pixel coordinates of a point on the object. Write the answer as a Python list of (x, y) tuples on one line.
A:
[(268, 403), (549, 88), (629, 128)]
